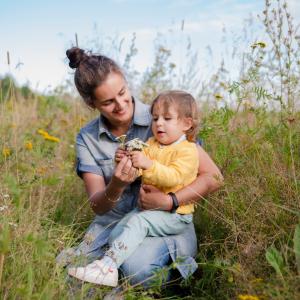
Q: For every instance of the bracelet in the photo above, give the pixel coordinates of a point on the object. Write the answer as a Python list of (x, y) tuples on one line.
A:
[(175, 202), (170, 208), (113, 201)]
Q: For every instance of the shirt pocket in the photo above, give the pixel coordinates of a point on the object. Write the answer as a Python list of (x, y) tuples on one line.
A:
[(107, 166)]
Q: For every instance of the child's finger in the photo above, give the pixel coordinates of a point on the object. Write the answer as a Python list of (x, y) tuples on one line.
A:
[(133, 156)]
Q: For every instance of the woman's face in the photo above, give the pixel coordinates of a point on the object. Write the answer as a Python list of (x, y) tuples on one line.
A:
[(113, 100)]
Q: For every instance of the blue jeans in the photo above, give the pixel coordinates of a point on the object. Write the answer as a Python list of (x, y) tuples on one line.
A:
[(130, 232), (153, 254)]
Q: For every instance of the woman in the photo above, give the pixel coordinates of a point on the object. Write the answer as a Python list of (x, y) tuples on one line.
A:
[(113, 191)]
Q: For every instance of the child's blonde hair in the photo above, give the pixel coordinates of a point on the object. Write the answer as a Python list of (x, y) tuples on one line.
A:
[(185, 105)]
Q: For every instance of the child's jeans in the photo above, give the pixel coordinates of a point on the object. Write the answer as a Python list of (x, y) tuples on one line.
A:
[(130, 232)]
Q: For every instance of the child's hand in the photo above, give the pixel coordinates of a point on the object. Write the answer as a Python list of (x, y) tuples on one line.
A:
[(120, 153), (139, 160)]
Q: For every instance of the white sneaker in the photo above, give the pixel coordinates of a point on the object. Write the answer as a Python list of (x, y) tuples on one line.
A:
[(96, 272)]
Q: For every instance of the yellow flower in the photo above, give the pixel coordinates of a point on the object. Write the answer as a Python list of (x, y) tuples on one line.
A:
[(28, 145), (218, 97), (223, 85), (42, 170), (47, 136), (52, 138), (261, 44), (6, 152), (42, 132), (247, 297)]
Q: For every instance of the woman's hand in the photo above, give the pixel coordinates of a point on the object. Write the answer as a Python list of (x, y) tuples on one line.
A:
[(153, 198), (125, 173)]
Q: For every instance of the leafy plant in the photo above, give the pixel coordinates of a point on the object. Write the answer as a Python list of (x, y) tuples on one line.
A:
[(275, 259)]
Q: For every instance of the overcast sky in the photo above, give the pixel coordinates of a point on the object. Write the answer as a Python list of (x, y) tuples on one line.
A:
[(37, 33)]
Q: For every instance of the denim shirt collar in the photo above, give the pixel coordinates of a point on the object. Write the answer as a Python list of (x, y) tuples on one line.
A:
[(141, 117)]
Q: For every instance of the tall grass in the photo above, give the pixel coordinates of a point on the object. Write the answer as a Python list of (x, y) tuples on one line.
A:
[(248, 235)]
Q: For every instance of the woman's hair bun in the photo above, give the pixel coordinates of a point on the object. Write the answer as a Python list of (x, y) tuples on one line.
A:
[(75, 56)]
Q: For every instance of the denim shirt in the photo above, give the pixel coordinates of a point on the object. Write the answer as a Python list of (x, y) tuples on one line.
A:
[(96, 147)]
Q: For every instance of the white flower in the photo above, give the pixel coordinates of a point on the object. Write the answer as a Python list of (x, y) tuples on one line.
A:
[(4, 207)]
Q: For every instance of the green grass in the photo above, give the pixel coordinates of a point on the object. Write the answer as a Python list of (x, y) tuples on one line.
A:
[(248, 231), (44, 206)]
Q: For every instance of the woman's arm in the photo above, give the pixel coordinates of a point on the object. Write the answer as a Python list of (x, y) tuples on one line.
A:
[(209, 179), (103, 198)]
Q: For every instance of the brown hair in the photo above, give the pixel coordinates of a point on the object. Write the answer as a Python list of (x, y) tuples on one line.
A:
[(186, 107), (91, 71)]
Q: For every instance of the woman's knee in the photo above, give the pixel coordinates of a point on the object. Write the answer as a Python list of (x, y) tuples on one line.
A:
[(146, 275), (148, 264)]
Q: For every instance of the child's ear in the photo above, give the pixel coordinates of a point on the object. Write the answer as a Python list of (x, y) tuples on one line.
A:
[(188, 123)]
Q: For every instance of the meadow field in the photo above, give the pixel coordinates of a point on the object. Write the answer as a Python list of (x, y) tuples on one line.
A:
[(248, 231)]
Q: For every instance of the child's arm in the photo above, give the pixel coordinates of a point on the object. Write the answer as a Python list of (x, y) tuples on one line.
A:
[(140, 160), (184, 165)]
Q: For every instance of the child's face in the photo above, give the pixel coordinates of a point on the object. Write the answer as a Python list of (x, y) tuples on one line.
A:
[(166, 126)]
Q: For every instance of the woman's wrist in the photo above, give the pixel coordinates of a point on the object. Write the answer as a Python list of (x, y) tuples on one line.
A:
[(170, 203), (116, 184), (113, 192)]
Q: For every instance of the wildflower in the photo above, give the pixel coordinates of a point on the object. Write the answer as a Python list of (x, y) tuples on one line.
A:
[(42, 132), (41, 170), (261, 44), (223, 85), (247, 297), (245, 81), (47, 136), (121, 139), (135, 145), (6, 152), (218, 97), (52, 138), (4, 207), (28, 145), (13, 224)]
